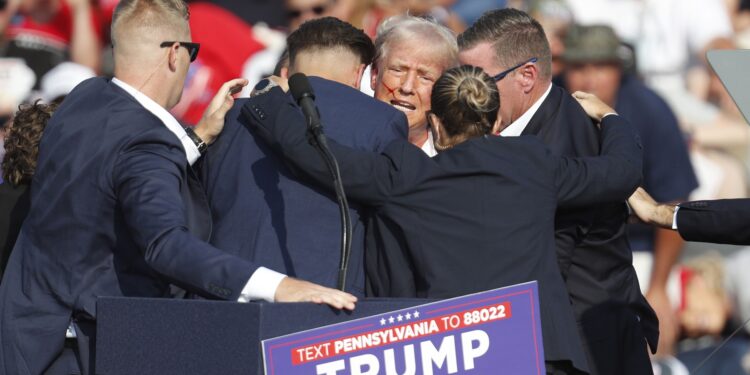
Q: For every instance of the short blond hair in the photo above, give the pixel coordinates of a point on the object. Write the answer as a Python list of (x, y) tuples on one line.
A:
[(149, 14)]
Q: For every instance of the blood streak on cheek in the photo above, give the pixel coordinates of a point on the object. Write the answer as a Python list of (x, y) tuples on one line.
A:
[(391, 91)]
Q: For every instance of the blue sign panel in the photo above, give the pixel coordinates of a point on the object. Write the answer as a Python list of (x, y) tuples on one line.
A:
[(493, 332)]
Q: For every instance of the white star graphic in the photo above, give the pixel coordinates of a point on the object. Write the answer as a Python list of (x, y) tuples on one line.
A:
[(416, 314), (400, 317), (382, 321), (390, 320), (408, 316)]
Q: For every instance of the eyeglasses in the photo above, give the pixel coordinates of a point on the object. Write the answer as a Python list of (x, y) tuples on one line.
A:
[(192, 48), (504, 73), (318, 10)]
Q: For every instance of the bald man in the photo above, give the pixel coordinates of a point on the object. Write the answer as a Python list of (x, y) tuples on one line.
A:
[(116, 208)]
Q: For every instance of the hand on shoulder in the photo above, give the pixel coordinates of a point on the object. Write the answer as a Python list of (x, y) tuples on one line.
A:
[(594, 107)]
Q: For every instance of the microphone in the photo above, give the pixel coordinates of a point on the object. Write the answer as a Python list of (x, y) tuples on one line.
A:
[(303, 94)]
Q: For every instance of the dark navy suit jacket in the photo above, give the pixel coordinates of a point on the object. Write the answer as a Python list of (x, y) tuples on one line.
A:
[(267, 216), (719, 221), (478, 216), (115, 211)]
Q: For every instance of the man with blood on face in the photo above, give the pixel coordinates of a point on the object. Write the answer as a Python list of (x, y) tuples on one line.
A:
[(411, 54)]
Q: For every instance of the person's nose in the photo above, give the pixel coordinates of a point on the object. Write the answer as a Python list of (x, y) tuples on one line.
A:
[(410, 80)]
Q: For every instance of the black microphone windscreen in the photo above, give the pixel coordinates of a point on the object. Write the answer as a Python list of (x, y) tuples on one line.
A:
[(300, 86)]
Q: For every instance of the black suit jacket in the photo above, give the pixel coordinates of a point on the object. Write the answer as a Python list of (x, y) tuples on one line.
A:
[(719, 221), (14, 206), (261, 212), (592, 247), (115, 211), (478, 216)]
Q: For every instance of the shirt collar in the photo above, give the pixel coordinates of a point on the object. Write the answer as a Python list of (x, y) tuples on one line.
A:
[(429, 145), (517, 127), (162, 114)]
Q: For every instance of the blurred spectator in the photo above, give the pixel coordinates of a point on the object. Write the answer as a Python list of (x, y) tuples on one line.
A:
[(713, 301), (227, 42), (555, 18), (45, 33), (596, 62), (62, 79), (470, 10), (269, 12), (16, 82), (411, 54), (668, 35), (19, 164), (299, 11), (436, 10)]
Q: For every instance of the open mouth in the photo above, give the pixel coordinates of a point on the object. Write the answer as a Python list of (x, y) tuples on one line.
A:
[(403, 106)]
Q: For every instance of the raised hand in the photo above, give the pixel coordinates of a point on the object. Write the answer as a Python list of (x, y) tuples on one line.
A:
[(212, 122), (593, 106)]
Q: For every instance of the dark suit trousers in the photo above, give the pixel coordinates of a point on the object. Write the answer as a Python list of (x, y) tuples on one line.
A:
[(623, 354)]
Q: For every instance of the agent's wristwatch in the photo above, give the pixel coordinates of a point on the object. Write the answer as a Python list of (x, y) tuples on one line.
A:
[(263, 87), (199, 143)]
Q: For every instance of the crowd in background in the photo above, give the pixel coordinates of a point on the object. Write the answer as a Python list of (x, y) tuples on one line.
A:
[(645, 58)]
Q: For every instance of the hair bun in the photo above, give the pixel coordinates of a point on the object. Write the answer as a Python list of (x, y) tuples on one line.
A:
[(473, 93)]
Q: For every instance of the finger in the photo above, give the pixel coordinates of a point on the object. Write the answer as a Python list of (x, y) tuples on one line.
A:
[(232, 87), (332, 301)]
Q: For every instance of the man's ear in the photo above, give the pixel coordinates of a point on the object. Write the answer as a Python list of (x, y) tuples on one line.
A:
[(527, 76), (437, 128), (358, 77), (173, 56), (497, 127), (373, 77)]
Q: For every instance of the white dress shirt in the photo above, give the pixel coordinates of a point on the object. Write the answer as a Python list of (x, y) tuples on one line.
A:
[(429, 145), (263, 282), (516, 127)]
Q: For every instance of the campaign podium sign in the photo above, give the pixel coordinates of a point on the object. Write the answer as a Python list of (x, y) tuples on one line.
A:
[(497, 331)]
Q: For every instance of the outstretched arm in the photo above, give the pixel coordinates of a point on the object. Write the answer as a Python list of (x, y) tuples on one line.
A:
[(610, 177), (147, 179), (367, 177), (649, 211)]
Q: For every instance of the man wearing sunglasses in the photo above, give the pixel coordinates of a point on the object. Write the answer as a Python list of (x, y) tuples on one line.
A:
[(116, 207), (301, 11), (595, 259)]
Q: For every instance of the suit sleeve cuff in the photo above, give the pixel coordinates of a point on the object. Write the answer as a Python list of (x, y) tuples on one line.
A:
[(191, 150), (609, 114), (674, 218), (261, 286)]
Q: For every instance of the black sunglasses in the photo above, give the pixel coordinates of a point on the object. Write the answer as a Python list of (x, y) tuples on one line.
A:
[(192, 48), (317, 10), (504, 73)]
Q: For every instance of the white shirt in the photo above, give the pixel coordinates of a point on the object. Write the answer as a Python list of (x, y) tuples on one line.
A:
[(191, 150), (263, 282), (516, 127), (429, 145)]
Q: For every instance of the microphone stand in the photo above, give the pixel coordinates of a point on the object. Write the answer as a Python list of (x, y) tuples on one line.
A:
[(318, 140)]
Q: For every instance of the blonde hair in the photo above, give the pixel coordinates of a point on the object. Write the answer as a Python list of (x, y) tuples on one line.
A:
[(401, 28), (466, 101), (148, 15)]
